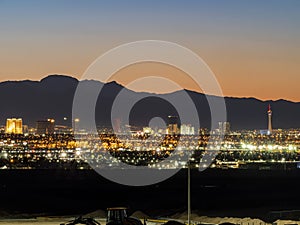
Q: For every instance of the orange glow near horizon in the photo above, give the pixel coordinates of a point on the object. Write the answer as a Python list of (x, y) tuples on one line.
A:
[(241, 71), (151, 69), (251, 46)]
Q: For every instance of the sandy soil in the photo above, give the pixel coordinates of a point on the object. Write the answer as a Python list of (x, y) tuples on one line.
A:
[(41, 221), (196, 219)]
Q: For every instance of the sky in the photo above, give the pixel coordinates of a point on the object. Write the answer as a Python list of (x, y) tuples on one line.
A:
[(252, 47)]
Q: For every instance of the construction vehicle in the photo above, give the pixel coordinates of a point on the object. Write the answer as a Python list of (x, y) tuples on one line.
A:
[(80, 220), (118, 216), (115, 216)]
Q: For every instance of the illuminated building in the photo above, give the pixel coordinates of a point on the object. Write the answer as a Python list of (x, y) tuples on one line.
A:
[(14, 126), (187, 129), (269, 120), (117, 125), (173, 126), (25, 129), (45, 126), (147, 130), (224, 127)]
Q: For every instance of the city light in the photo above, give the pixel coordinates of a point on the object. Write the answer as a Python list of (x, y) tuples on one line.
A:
[(147, 146)]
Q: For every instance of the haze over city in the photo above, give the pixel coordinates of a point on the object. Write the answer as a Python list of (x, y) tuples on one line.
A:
[(251, 46)]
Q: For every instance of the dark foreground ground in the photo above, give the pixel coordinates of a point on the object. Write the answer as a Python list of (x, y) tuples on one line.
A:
[(238, 193)]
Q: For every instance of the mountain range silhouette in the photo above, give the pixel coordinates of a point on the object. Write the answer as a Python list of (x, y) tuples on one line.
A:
[(52, 97)]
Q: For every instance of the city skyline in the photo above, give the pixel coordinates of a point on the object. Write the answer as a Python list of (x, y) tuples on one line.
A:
[(246, 52), (172, 127)]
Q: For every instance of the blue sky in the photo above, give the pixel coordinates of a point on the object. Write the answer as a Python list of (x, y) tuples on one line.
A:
[(237, 38)]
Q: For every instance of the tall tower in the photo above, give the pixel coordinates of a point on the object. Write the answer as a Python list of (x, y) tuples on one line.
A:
[(269, 120)]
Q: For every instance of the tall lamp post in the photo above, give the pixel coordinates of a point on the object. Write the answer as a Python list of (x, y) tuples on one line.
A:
[(189, 192)]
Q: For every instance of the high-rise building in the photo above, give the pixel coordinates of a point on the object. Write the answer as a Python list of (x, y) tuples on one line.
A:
[(45, 126), (269, 120), (173, 125), (148, 130), (224, 127), (187, 129), (14, 126), (25, 129), (117, 125)]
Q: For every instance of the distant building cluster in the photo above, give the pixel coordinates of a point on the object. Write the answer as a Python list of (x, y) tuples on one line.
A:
[(187, 129), (224, 128), (49, 145), (173, 127), (42, 127)]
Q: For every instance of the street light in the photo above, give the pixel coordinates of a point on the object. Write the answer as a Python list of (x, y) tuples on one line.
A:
[(189, 191)]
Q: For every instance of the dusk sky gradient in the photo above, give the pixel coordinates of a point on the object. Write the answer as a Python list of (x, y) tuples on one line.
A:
[(253, 47)]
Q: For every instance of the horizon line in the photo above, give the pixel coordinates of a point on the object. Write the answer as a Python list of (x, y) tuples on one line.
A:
[(225, 96)]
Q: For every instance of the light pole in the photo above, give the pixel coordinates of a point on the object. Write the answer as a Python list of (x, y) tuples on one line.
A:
[(189, 192)]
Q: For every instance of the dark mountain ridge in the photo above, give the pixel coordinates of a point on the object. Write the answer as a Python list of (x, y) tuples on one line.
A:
[(52, 97)]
